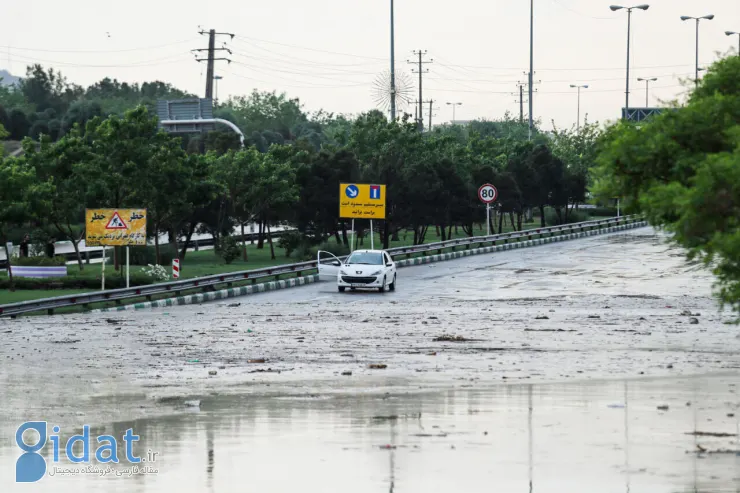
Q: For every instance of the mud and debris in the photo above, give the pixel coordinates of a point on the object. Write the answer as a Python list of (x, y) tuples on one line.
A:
[(639, 290)]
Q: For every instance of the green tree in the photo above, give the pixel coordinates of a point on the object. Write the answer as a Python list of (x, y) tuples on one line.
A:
[(61, 167), (681, 170), (18, 190)]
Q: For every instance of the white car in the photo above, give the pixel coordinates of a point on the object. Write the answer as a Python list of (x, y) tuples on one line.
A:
[(363, 269)]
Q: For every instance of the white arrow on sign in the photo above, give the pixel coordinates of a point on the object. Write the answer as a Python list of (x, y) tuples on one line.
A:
[(487, 193)]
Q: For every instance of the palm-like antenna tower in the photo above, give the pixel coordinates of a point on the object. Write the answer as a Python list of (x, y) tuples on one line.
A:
[(382, 91)]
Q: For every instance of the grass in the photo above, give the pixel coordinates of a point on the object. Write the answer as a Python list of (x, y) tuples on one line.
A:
[(206, 262)]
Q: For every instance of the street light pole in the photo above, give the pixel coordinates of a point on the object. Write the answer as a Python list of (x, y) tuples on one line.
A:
[(731, 33), (647, 84), (697, 19), (453, 110), (579, 103), (393, 68), (614, 8)]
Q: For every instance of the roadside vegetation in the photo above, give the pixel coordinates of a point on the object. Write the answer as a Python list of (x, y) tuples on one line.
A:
[(101, 147)]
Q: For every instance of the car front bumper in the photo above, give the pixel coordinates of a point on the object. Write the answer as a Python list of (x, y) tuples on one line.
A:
[(359, 281)]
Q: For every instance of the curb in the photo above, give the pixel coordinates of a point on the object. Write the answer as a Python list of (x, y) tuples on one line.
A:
[(313, 278)]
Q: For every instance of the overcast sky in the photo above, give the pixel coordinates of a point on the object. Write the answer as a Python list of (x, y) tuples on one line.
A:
[(329, 52)]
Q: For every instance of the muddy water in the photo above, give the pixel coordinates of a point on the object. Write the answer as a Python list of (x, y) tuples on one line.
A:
[(287, 393), (574, 437)]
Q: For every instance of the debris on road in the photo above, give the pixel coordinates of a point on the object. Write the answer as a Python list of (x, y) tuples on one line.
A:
[(212, 372), (663, 408), (710, 434), (449, 338), (377, 366), (257, 360)]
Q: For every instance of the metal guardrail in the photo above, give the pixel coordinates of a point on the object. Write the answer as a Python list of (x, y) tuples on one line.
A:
[(208, 283)]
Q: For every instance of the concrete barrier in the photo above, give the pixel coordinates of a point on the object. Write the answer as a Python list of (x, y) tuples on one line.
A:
[(302, 281)]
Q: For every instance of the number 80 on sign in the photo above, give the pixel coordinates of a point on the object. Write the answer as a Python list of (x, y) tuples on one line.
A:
[(487, 193)]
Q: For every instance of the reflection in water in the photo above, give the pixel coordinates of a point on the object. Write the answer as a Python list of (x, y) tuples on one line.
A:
[(457, 440)]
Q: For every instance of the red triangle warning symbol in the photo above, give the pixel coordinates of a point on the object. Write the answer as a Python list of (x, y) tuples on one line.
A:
[(116, 222)]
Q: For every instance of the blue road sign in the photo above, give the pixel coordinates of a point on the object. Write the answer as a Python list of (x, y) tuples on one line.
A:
[(375, 192), (352, 191)]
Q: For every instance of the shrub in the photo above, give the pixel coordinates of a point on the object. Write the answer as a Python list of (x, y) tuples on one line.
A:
[(338, 249), (551, 218), (40, 261), (228, 249), (147, 255), (291, 241), (90, 284), (603, 211), (156, 272)]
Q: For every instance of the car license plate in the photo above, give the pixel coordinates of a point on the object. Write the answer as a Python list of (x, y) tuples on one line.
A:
[(359, 285)]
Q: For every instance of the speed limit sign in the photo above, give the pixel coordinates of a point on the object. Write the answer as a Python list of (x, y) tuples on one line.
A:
[(487, 193)]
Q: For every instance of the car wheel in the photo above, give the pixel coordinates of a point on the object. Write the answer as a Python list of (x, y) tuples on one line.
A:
[(381, 289), (392, 286), (341, 289)]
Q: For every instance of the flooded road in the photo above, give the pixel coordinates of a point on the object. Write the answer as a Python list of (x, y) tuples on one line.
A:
[(288, 380), (574, 437)]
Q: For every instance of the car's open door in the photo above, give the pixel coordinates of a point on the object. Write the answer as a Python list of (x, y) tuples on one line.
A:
[(328, 265)]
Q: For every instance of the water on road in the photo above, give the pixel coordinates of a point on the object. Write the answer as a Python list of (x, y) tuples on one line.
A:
[(281, 390)]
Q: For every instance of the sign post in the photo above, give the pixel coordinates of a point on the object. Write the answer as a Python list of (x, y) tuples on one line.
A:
[(176, 268), (115, 227), (362, 201), (487, 194)]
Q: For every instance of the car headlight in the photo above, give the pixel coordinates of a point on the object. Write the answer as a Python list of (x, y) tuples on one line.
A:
[(376, 273)]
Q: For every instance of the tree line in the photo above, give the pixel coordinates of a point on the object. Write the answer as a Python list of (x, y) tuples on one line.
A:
[(288, 173)]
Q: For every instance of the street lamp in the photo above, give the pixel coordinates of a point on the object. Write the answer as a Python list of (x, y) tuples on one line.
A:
[(217, 78), (453, 110), (697, 19), (647, 83), (731, 33), (579, 102), (614, 8)]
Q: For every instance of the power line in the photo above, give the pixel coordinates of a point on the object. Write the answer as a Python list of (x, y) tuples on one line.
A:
[(143, 48), (156, 61), (311, 49)]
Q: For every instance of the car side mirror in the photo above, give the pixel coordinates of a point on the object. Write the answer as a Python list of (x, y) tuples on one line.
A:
[(389, 264), (336, 263)]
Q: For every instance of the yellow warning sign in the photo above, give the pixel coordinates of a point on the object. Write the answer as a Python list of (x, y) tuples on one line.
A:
[(115, 227), (361, 201)]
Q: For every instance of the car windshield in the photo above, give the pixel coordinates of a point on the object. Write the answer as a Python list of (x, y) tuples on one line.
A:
[(367, 258)]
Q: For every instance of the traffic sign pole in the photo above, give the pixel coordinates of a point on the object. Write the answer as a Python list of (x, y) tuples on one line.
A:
[(102, 275), (372, 240), (128, 269), (352, 239), (487, 193), (488, 219)]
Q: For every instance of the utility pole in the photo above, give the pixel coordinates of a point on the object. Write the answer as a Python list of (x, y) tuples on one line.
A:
[(531, 64), (420, 116), (521, 102), (521, 99), (430, 114), (212, 58), (421, 70)]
